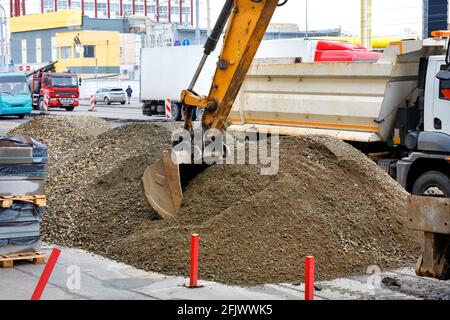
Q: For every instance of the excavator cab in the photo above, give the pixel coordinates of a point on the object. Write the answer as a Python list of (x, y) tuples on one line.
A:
[(247, 21)]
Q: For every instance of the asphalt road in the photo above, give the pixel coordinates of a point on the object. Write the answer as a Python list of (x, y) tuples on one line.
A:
[(115, 111), (132, 112)]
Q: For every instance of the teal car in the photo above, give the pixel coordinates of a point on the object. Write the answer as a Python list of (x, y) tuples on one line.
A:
[(15, 95)]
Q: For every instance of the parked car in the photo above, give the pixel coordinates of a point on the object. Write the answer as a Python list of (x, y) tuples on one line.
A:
[(111, 95)]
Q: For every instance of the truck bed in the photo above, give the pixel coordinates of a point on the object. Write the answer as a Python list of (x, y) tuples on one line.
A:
[(350, 101)]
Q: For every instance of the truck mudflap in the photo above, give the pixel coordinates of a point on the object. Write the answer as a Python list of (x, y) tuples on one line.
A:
[(432, 217)]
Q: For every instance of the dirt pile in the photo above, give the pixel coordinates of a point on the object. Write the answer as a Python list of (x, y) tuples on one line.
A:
[(328, 200), (97, 198), (62, 134)]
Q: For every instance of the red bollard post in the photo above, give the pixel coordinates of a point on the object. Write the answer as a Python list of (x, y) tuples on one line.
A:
[(42, 283), (309, 278), (195, 240)]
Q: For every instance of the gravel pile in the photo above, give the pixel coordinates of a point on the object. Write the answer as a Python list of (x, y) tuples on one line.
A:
[(97, 197), (328, 200), (62, 134)]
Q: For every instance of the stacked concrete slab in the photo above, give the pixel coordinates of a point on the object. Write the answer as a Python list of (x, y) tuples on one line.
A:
[(22, 173)]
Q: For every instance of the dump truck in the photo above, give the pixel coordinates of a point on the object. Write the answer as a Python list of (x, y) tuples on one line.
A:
[(167, 78), (62, 89), (395, 110)]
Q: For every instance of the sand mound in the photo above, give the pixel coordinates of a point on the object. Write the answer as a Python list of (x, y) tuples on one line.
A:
[(328, 200), (62, 134), (97, 198)]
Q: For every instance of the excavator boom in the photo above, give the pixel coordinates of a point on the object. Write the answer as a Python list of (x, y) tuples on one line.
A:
[(247, 21)]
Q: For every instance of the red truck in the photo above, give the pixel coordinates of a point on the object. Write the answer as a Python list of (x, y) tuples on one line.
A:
[(62, 89)]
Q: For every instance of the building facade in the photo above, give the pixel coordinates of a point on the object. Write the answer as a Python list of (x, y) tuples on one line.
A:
[(87, 46), (180, 11), (435, 16)]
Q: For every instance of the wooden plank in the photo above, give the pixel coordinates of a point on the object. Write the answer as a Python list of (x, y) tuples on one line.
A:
[(7, 261), (7, 202)]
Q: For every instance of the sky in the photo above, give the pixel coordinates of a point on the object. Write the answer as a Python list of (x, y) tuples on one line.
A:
[(390, 17)]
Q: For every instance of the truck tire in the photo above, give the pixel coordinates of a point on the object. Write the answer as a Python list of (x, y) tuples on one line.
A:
[(21, 116), (40, 103), (176, 112), (433, 183)]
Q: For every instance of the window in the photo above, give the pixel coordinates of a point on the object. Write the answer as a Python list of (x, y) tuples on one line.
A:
[(38, 50), (89, 51), (47, 80), (127, 9), (115, 9), (444, 86), (139, 9), (14, 84), (63, 4), (102, 9), (151, 9), (49, 5), (65, 81), (66, 53), (24, 51), (89, 5), (163, 12), (76, 4), (444, 90)]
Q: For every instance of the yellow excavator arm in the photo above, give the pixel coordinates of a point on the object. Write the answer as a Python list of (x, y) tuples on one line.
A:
[(247, 21)]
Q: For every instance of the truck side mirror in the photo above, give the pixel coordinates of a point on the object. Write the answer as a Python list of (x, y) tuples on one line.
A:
[(443, 75), (80, 81)]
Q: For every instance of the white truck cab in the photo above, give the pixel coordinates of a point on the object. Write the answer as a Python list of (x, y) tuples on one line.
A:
[(426, 170)]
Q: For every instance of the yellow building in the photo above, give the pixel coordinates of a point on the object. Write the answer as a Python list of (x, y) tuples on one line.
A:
[(42, 38), (89, 52)]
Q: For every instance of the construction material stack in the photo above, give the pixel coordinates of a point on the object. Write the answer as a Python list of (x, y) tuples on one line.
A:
[(22, 198)]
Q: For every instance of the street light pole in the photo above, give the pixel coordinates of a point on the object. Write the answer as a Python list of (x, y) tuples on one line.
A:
[(306, 28), (197, 23)]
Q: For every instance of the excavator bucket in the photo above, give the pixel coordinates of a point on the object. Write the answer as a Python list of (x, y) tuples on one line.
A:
[(162, 186)]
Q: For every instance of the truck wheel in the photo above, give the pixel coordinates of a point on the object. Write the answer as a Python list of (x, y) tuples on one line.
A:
[(176, 112), (21, 116), (432, 183), (40, 105), (107, 102), (70, 108)]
